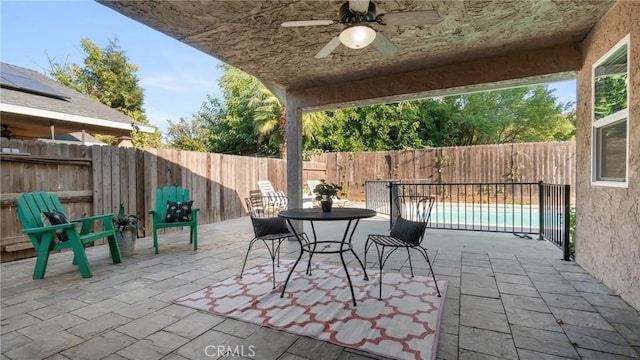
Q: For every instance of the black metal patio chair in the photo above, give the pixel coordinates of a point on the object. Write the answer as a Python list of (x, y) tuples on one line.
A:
[(407, 232), (268, 227)]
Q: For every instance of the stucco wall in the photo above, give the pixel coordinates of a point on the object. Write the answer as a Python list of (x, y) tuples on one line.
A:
[(608, 223)]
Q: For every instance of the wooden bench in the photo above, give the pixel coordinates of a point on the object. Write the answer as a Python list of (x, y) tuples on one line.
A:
[(30, 207), (174, 194)]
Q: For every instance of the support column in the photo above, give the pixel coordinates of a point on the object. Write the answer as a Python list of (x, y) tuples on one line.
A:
[(294, 152)]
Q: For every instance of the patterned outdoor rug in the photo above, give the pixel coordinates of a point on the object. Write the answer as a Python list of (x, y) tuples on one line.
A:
[(405, 325)]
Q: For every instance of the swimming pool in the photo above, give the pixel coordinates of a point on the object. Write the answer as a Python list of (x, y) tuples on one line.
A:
[(523, 218)]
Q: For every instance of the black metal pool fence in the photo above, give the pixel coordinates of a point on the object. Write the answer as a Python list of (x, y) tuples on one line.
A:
[(523, 209)]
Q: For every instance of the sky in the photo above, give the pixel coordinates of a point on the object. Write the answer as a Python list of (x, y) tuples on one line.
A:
[(176, 77)]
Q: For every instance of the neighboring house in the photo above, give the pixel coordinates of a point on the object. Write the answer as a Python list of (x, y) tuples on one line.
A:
[(34, 106), (74, 138)]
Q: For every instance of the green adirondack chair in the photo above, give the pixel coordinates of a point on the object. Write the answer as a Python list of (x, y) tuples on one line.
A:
[(43, 237), (174, 194)]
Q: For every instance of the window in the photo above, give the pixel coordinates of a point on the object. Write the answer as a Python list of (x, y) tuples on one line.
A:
[(610, 142)]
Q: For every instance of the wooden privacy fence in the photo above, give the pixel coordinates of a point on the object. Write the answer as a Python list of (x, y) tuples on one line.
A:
[(552, 162), (95, 180)]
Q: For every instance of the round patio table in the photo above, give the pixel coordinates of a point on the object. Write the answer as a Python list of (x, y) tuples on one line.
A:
[(351, 215)]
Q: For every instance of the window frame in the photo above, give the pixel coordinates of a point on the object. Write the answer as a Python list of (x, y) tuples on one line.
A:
[(619, 116)]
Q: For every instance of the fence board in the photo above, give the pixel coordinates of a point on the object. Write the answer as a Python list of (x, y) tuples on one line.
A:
[(106, 179), (130, 193), (96, 172), (123, 191), (150, 161), (216, 190), (116, 179)]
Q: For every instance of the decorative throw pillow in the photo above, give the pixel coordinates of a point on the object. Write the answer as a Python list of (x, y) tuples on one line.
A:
[(407, 231), (269, 226), (178, 211), (56, 218)]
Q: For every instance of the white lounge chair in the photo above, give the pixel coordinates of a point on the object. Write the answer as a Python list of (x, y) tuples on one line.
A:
[(279, 197)]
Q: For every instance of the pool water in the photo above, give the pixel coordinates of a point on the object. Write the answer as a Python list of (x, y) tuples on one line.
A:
[(501, 217)]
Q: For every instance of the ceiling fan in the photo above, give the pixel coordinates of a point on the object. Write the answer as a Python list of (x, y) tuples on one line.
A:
[(356, 15)]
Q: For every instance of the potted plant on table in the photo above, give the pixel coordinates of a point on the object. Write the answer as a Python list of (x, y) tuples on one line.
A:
[(126, 226), (325, 193)]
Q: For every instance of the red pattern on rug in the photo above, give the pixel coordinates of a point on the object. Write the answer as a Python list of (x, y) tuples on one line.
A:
[(404, 325)]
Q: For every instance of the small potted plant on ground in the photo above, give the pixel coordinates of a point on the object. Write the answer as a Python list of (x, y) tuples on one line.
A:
[(325, 193), (126, 226)]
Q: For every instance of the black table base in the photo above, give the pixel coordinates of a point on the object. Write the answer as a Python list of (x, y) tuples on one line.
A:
[(352, 216)]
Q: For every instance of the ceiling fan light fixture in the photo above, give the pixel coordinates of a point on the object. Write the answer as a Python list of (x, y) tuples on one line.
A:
[(357, 36)]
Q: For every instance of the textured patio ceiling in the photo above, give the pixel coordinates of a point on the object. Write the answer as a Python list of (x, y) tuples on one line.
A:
[(248, 35)]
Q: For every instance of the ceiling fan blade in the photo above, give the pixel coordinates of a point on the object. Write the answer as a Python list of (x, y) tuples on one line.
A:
[(327, 49), (359, 6), (307, 23), (410, 18), (384, 45)]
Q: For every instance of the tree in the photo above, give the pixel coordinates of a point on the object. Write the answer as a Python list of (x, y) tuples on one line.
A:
[(371, 128), (189, 135), (409, 124), (230, 119), (526, 114), (108, 77), (270, 119), (249, 119), (439, 123), (512, 115)]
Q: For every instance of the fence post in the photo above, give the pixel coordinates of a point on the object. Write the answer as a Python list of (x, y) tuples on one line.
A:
[(566, 245), (392, 194), (366, 195), (541, 210)]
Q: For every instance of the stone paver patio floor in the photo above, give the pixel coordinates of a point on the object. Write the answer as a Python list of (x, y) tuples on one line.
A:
[(508, 298)]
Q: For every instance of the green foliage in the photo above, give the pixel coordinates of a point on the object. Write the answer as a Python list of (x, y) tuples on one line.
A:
[(250, 120), (107, 76), (327, 190), (307, 154), (270, 121), (572, 231), (189, 135), (270, 118), (527, 114), (380, 127), (230, 119), (123, 221), (441, 162), (611, 95), (572, 225), (144, 140), (439, 126)]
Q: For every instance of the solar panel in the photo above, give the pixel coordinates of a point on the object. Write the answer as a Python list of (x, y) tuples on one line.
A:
[(12, 78)]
